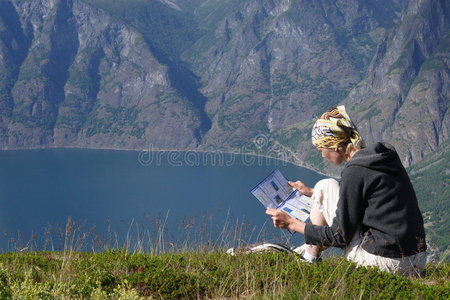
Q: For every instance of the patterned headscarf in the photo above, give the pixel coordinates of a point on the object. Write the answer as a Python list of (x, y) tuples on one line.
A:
[(334, 128)]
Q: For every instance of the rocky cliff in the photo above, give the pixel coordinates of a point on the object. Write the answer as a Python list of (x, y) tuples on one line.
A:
[(276, 63), (215, 74), (73, 75), (404, 97)]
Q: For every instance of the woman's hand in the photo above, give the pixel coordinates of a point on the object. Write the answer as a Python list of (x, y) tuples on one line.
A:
[(283, 220), (302, 188)]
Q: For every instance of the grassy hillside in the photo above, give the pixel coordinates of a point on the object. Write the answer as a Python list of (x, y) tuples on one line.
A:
[(121, 275), (431, 181)]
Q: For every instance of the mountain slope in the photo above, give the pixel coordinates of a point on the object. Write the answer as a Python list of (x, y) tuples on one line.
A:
[(275, 63), (404, 98), (431, 181), (81, 78)]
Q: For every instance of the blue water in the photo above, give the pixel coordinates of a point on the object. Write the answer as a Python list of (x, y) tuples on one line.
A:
[(117, 196)]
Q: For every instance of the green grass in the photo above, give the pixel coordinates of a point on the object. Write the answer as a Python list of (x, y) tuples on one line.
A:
[(204, 275)]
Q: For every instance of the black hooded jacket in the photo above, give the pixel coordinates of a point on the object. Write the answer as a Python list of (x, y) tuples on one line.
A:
[(376, 201)]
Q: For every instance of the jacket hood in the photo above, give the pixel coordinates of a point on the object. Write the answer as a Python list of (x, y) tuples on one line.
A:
[(380, 157)]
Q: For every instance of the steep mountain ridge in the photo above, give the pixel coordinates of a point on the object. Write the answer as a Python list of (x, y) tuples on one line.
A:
[(275, 63), (87, 80), (404, 98), (269, 64)]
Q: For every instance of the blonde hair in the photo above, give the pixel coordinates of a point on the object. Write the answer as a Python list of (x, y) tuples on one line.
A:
[(349, 150)]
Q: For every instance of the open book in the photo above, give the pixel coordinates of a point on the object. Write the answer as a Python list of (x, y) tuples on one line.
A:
[(275, 192)]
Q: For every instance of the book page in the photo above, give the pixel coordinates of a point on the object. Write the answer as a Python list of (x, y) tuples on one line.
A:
[(299, 206), (273, 190)]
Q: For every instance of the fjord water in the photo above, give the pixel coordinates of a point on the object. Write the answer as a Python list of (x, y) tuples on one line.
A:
[(117, 193)]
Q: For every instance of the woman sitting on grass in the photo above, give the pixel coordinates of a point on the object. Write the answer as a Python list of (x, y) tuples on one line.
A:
[(372, 213)]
